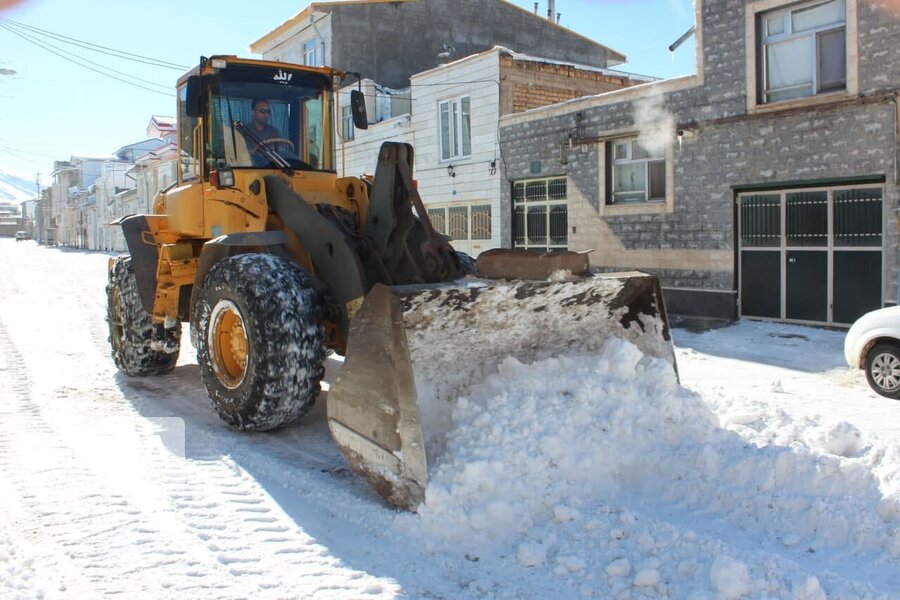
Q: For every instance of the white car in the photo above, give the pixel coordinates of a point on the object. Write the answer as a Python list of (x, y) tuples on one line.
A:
[(22, 235), (873, 344)]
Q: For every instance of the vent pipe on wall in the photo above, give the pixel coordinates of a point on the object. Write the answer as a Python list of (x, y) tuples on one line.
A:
[(682, 39), (535, 8)]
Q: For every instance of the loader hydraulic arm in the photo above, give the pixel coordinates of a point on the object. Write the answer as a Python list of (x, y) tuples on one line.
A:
[(408, 247)]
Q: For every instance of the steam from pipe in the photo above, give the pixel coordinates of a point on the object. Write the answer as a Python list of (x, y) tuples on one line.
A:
[(655, 124)]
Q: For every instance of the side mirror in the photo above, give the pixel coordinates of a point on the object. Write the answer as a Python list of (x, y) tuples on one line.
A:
[(193, 105), (358, 108)]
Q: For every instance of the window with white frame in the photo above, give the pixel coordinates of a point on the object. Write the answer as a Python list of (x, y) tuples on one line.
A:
[(801, 51), (636, 173), (313, 53), (347, 130), (455, 128)]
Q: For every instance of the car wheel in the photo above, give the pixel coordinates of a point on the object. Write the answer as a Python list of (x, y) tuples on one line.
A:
[(883, 370)]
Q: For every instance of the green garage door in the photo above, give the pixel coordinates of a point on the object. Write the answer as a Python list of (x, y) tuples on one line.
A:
[(812, 255)]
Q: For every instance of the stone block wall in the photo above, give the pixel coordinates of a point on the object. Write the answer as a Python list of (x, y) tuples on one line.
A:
[(691, 244)]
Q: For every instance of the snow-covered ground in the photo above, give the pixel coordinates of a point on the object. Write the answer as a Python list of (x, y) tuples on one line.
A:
[(770, 471)]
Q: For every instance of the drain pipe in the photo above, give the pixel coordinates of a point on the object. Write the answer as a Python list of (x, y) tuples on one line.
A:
[(896, 98)]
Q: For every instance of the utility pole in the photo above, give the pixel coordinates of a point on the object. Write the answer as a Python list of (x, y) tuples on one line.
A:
[(37, 205)]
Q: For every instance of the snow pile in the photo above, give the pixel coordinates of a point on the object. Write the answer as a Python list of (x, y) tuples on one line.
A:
[(17, 576), (460, 333), (582, 465)]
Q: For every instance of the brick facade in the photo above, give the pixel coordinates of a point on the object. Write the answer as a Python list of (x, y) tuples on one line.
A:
[(534, 83)]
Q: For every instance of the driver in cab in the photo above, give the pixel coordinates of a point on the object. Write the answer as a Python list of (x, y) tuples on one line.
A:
[(260, 127)]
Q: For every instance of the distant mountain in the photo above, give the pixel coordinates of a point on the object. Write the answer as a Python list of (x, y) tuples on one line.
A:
[(14, 189)]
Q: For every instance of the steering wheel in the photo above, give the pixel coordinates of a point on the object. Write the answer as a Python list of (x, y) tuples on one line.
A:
[(272, 141)]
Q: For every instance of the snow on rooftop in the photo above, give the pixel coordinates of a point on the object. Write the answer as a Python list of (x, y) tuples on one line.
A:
[(538, 59), (160, 120), (581, 67)]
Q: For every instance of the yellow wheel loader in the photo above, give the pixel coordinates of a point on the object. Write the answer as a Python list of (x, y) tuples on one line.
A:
[(274, 259)]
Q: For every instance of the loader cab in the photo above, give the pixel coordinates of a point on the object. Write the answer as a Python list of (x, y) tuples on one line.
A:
[(218, 127)]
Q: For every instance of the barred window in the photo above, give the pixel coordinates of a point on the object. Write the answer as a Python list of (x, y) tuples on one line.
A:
[(462, 221), (540, 214)]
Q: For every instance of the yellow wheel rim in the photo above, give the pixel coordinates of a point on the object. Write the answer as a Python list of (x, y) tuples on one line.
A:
[(228, 345)]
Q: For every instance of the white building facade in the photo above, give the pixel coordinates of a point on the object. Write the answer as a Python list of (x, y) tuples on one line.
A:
[(453, 125)]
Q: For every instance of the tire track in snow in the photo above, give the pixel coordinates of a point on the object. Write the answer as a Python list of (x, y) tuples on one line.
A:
[(236, 520), (225, 522), (264, 553), (86, 527)]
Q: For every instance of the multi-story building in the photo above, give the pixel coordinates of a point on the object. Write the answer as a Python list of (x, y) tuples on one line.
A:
[(764, 186), (389, 41), (86, 196), (452, 122), (68, 192), (444, 89)]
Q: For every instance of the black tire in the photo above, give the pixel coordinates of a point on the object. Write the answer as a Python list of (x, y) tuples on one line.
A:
[(260, 341), (466, 262), (883, 370), (140, 347)]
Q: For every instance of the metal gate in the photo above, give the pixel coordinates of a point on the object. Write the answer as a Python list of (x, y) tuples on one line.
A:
[(467, 223), (811, 255)]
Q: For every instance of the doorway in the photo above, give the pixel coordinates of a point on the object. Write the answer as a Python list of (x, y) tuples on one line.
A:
[(811, 255)]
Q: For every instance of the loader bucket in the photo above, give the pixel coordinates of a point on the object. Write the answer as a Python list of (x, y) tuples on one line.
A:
[(412, 350)]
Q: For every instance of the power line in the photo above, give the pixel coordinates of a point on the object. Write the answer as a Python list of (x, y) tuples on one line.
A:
[(18, 151), (53, 50), (22, 157), (48, 45), (96, 47)]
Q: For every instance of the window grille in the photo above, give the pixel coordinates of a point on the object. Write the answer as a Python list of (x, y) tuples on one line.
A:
[(462, 221), (458, 217), (858, 217), (540, 214)]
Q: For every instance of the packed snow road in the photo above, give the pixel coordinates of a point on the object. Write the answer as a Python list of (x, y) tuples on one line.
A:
[(771, 471)]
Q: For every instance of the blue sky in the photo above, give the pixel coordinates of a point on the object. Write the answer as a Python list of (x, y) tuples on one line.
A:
[(51, 108)]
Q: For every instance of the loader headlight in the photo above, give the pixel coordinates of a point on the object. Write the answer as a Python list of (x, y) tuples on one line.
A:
[(223, 178)]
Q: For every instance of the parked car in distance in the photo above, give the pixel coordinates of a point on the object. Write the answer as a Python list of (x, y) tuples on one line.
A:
[(22, 235), (873, 344)]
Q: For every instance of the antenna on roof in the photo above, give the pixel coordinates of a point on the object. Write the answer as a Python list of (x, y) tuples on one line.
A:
[(446, 54)]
